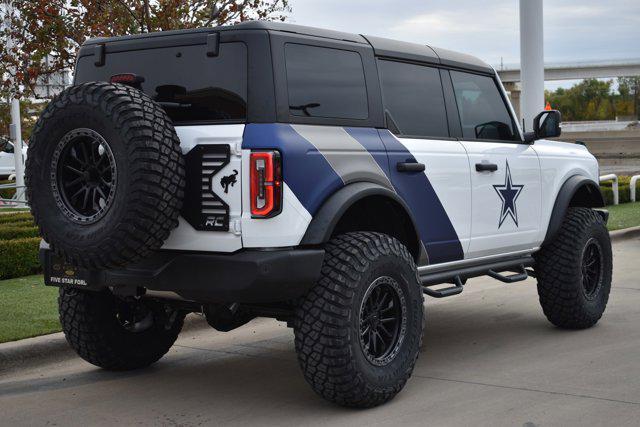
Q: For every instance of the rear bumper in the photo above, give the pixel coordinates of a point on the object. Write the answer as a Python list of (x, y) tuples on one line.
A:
[(250, 276)]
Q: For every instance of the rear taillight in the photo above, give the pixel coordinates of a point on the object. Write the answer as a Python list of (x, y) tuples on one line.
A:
[(266, 184)]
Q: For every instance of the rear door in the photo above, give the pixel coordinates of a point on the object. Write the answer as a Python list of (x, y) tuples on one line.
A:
[(439, 196), (505, 172)]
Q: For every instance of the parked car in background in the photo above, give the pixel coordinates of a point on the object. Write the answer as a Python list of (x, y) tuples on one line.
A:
[(7, 159)]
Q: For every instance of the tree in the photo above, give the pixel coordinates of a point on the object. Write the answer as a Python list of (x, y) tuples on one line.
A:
[(46, 34), (591, 99), (29, 112), (629, 88)]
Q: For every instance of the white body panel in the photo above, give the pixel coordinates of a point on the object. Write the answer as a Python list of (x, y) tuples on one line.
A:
[(468, 197), (493, 229), (558, 162), (447, 168)]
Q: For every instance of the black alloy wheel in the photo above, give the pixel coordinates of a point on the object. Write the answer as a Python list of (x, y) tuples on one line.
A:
[(592, 260), (84, 176), (383, 321)]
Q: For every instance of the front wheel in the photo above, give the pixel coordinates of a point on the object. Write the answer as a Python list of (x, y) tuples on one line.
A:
[(574, 271), (359, 330)]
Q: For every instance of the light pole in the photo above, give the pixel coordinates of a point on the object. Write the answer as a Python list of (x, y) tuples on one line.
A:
[(531, 60), (16, 136), (16, 128)]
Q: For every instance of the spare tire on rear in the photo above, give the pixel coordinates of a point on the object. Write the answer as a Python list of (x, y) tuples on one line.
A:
[(104, 175)]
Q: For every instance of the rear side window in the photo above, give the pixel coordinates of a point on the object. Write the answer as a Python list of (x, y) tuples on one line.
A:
[(324, 82), (483, 112), (413, 99), (191, 86)]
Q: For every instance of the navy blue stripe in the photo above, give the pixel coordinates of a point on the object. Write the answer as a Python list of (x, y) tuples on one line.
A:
[(434, 226), (304, 169)]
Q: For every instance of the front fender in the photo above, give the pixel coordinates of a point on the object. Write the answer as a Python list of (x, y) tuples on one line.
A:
[(577, 191)]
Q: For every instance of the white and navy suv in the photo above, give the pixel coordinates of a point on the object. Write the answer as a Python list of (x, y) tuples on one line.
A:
[(329, 180)]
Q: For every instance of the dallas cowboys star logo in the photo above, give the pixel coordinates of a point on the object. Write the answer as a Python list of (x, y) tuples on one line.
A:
[(508, 193)]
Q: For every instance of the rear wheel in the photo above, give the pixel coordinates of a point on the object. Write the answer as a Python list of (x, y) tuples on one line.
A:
[(116, 333), (574, 271), (359, 330)]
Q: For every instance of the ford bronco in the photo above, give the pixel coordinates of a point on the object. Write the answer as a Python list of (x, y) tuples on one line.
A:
[(325, 179)]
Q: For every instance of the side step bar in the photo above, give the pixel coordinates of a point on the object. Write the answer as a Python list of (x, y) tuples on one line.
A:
[(457, 276), (446, 292), (517, 277)]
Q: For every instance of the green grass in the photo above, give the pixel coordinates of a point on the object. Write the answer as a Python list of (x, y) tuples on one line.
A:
[(27, 308), (9, 210), (624, 216)]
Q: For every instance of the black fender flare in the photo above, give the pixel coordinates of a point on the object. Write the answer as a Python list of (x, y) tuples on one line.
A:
[(325, 220), (591, 197)]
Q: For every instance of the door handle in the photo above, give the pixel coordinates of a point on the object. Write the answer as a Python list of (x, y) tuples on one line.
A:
[(488, 167), (410, 167)]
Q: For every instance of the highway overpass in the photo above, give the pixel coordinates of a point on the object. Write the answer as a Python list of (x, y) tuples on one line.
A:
[(578, 71), (572, 71)]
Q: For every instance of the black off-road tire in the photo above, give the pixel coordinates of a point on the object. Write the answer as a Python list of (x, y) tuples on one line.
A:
[(327, 321), (147, 164), (568, 300), (91, 325)]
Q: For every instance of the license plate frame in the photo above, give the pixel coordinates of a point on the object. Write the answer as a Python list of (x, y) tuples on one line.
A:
[(58, 272)]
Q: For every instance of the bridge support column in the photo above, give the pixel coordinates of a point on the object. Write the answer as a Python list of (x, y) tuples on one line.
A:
[(531, 60)]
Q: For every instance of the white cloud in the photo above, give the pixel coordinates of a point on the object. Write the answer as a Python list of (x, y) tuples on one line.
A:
[(575, 30)]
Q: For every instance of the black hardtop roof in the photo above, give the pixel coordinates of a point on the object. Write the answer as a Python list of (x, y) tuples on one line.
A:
[(381, 46)]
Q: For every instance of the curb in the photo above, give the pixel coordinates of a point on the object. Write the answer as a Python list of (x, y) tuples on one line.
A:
[(625, 234), (53, 348), (29, 352)]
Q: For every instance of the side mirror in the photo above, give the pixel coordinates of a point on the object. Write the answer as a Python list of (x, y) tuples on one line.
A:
[(545, 125)]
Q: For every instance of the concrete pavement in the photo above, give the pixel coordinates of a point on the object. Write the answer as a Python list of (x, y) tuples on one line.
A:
[(490, 358)]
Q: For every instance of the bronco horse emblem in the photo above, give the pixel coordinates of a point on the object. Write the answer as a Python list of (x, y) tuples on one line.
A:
[(225, 181)]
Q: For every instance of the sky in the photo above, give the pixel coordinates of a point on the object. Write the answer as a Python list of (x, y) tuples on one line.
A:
[(574, 30)]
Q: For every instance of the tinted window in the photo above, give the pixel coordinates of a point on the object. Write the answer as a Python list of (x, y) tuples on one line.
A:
[(191, 86), (483, 112), (325, 82), (413, 98)]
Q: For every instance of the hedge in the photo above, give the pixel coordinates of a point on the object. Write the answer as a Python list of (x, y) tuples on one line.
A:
[(19, 242), (19, 257), (16, 218), (624, 192), (11, 231), (21, 224)]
